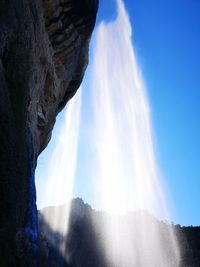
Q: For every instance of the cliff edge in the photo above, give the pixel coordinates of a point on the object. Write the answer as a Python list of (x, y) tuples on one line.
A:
[(43, 57)]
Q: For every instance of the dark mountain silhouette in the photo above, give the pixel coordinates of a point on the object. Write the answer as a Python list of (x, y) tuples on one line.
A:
[(82, 244)]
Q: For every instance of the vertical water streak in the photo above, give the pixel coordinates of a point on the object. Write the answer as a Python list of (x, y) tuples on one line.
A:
[(61, 170), (127, 177)]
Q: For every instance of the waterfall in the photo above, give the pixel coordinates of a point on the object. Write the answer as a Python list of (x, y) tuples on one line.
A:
[(126, 180), (126, 176), (61, 172)]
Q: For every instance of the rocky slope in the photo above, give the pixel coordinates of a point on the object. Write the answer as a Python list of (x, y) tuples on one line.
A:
[(83, 239), (43, 56)]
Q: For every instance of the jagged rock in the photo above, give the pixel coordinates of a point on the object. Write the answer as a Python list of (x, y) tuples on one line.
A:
[(43, 56)]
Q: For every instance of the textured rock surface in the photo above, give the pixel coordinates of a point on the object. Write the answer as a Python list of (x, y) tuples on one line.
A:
[(43, 56)]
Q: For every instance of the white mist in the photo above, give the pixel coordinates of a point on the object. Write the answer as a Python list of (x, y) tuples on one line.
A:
[(61, 171), (126, 177)]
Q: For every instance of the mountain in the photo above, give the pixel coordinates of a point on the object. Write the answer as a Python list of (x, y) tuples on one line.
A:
[(83, 242)]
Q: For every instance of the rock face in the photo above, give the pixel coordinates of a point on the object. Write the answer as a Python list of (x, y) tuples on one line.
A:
[(43, 56)]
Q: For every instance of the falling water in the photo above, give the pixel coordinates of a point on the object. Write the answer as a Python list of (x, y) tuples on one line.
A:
[(126, 176), (61, 171)]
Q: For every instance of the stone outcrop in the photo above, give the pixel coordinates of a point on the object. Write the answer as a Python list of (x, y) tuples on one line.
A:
[(43, 56)]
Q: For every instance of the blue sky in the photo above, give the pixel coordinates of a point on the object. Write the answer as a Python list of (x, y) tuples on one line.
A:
[(166, 36)]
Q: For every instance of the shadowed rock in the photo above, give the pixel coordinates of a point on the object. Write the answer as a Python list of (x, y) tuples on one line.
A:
[(85, 244), (43, 56)]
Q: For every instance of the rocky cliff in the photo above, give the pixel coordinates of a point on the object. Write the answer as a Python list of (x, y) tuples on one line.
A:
[(43, 56)]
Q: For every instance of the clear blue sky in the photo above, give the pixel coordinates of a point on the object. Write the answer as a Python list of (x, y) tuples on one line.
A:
[(166, 37)]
